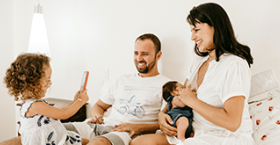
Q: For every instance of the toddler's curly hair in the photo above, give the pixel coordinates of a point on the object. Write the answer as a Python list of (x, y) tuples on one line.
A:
[(24, 75)]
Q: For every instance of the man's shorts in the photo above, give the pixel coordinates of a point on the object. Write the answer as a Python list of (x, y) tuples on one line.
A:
[(91, 131)]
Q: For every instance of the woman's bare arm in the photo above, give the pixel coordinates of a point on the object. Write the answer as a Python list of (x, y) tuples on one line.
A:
[(228, 117)]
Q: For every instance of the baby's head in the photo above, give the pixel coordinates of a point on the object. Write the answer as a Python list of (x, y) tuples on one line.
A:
[(171, 88), (28, 77)]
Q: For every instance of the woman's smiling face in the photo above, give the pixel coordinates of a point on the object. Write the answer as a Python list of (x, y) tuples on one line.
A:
[(202, 35)]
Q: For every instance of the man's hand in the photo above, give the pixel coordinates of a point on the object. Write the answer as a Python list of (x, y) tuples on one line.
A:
[(164, 119), (98, 120), (127, 127), (97, 112)]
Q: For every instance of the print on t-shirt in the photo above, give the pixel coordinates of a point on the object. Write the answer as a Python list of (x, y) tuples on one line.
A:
[(131, 107)]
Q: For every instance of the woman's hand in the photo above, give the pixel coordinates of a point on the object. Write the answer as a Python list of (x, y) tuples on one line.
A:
[(164, 119), (187, 95)]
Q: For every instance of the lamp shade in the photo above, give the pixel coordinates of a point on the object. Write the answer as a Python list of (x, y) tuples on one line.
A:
[(38, 41)]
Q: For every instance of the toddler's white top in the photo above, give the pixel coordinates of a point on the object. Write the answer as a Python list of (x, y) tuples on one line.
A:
[(42, 130)]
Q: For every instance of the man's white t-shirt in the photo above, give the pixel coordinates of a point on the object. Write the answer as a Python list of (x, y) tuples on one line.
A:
[(134, 99), (229, 77)]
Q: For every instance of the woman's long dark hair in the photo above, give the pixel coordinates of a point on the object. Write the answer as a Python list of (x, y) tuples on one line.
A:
[(224, 39)]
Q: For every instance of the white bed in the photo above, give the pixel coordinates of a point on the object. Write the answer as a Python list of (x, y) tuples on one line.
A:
[(264, 105)]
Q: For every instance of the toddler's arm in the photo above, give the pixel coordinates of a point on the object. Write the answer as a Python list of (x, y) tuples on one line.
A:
[(53, 112), (76, 97)]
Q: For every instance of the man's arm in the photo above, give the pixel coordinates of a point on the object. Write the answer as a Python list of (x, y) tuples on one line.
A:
[(135, 129), (165, 121), (97, 112)]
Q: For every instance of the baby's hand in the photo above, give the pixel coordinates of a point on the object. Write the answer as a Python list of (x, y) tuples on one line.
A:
[(83, 96)]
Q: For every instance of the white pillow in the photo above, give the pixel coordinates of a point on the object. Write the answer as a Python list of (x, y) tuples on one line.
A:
[(265, 116), (264, 107), (261, 83)]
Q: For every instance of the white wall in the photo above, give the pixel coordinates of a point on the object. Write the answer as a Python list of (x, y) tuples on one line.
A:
[(7, 109), (97, 35)]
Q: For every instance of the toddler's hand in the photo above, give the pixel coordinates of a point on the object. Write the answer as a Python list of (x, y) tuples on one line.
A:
[(83, 96), (76, 97)]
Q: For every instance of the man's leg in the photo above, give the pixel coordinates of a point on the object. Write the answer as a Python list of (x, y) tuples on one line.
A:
[(116, 138), (13, 141), (150, 139), (100, 140), (99, 133)]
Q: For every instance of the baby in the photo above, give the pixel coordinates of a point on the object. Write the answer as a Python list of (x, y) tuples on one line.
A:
[(181, 114)]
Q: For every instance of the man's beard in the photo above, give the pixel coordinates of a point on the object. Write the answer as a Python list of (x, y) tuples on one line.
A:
[(147, 68)]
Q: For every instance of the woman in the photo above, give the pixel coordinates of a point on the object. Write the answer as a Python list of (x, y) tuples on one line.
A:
[(218, 85)]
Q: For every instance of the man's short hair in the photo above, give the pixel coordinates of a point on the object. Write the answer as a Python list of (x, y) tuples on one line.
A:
[(153, 38)]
